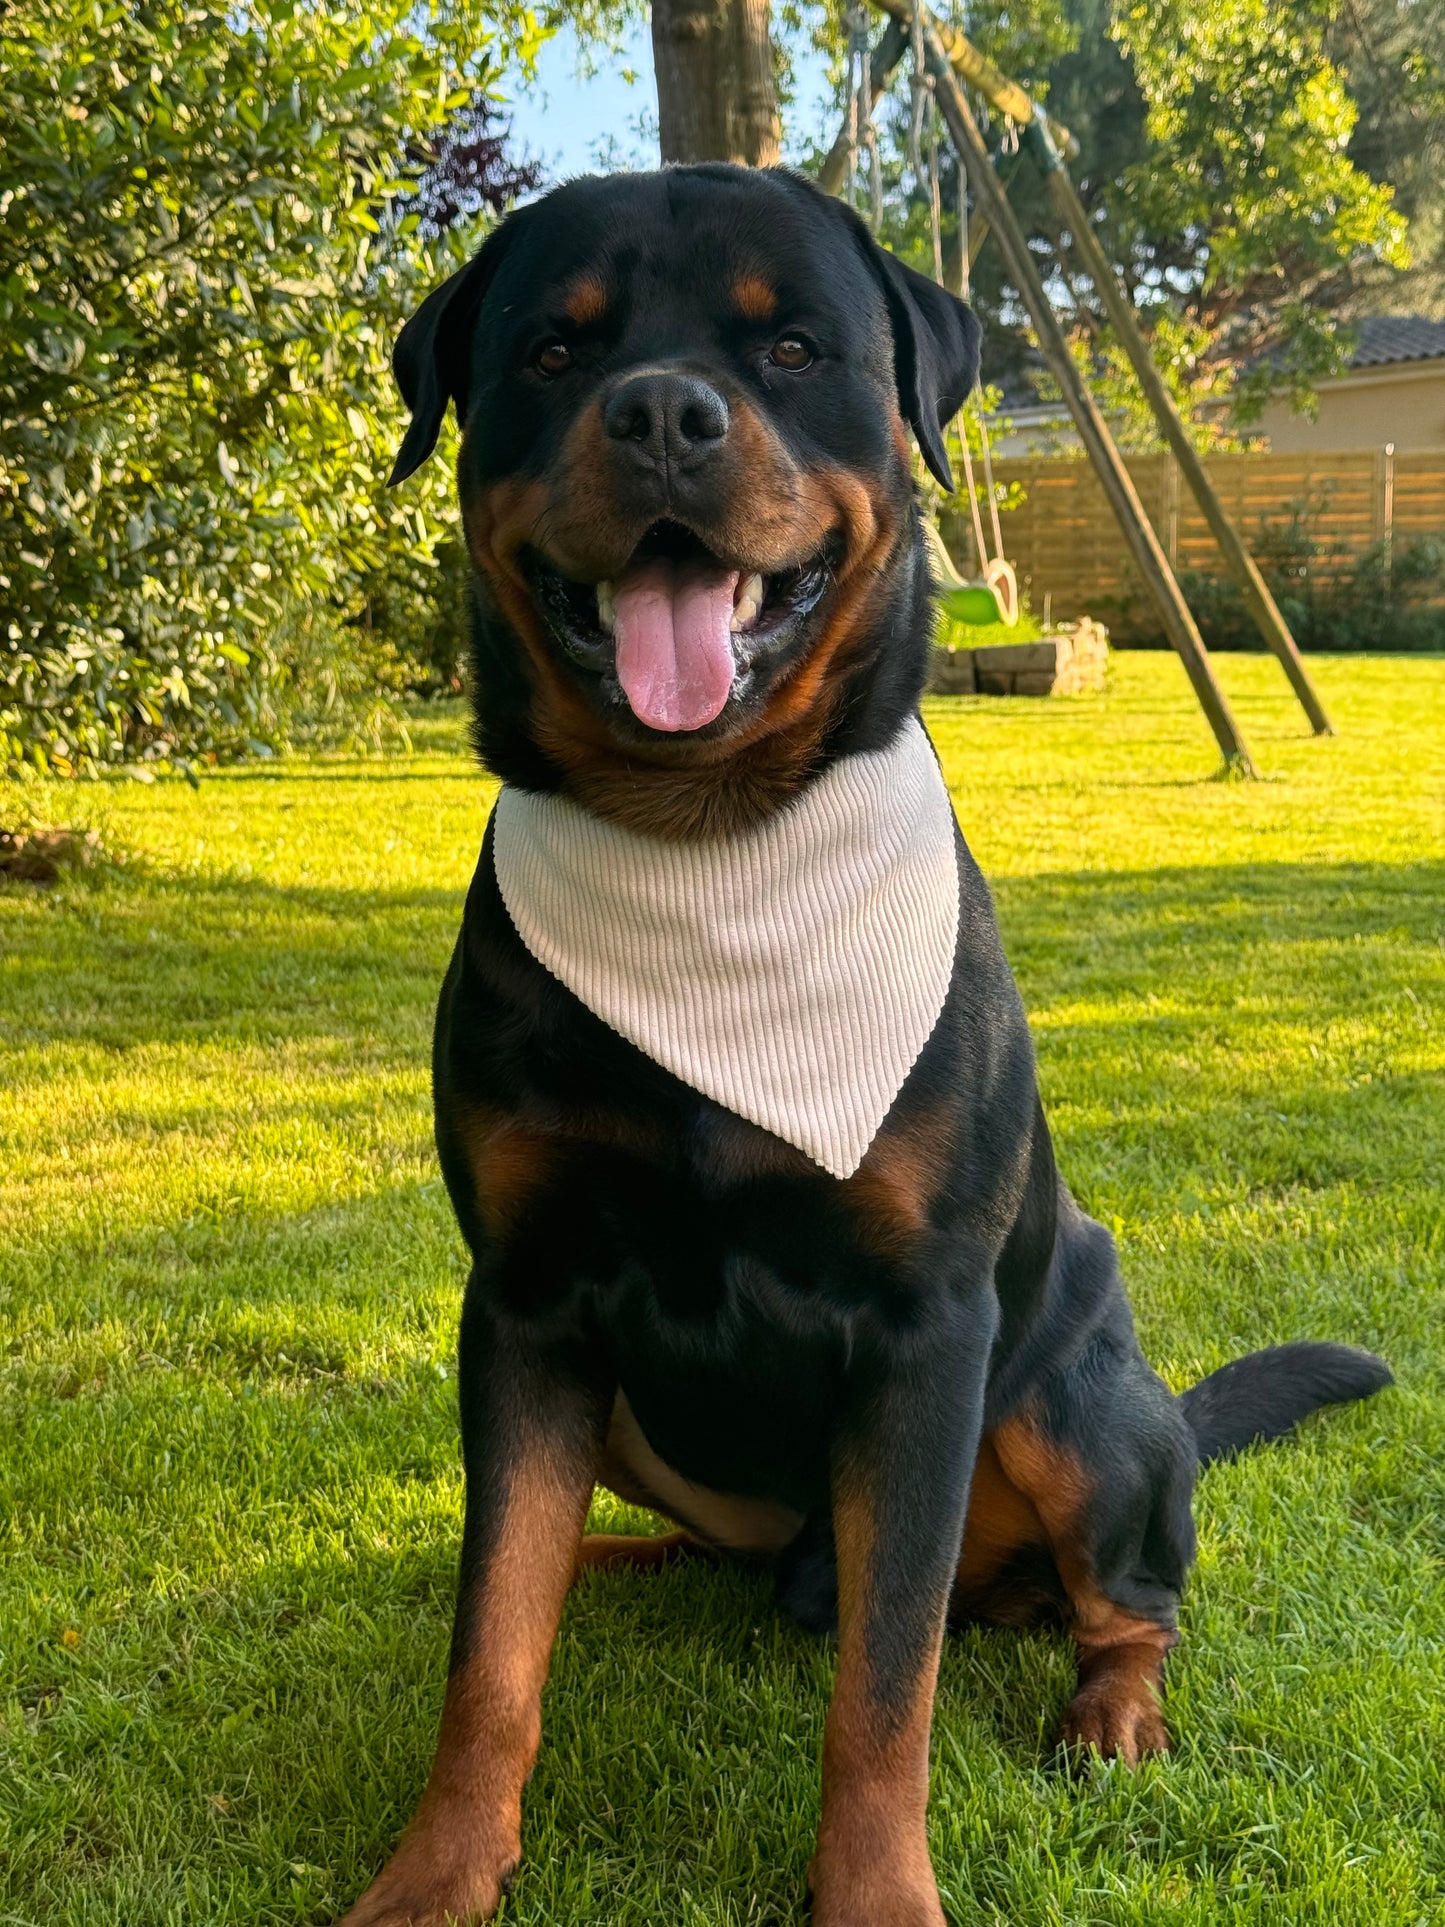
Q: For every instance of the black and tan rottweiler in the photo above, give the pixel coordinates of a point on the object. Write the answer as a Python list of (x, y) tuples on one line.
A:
[(915, 1388)]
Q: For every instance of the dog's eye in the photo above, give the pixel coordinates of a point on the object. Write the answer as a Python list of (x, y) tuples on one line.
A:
[(552, 358), (792, 353)]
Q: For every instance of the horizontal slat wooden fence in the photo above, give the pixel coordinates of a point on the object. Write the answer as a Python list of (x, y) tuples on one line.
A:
[(1066, 545)]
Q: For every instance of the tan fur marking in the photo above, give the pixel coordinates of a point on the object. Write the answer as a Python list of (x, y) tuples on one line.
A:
[(603, 1550), (585, 300), (632, 1470), (779, 516), (1121, 1657), (872, 1860), (1000, 1522), (691, 789), (1116, 1710), (1051, 1476), (509, 1163), (511, 1158), (753, 297), (891, 1193)]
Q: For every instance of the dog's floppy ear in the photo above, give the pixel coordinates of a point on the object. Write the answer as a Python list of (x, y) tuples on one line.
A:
[(433, 352), (936, 340)]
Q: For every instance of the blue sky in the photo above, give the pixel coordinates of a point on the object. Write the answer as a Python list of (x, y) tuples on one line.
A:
[(575, 125)]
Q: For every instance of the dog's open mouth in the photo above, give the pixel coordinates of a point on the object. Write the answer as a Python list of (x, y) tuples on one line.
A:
[(679, 628)]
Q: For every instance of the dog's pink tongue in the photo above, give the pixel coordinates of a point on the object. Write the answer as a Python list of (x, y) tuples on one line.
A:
[(674, 641)]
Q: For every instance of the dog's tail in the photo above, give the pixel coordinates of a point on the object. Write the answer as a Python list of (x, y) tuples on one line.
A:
[(1266, 1394)]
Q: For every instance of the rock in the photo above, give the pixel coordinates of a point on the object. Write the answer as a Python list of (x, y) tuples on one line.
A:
[(1069, 661), (953, 672)]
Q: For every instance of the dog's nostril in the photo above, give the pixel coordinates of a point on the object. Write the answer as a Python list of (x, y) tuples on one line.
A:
[(704, 415), (630, 414)]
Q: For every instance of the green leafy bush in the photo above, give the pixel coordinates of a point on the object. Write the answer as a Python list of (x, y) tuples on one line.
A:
[(1383, 599), (208, 241)]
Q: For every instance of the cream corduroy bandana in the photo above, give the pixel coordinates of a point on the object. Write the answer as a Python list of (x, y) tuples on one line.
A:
[(793, 974)]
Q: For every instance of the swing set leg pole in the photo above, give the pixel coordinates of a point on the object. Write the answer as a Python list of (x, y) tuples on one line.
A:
[(1241, 564), (1149, 557)]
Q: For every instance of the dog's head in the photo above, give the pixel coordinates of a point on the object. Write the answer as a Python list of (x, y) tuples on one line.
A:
[(686, 481)]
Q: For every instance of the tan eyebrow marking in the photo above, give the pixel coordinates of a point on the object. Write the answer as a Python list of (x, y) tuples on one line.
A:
[(753, 297), (585, 300)]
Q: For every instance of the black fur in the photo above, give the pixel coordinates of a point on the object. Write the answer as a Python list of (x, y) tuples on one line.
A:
[(1266, 1394), (936, 347)]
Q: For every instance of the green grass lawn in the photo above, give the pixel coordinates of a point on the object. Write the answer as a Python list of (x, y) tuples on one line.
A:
[(229, 1281)]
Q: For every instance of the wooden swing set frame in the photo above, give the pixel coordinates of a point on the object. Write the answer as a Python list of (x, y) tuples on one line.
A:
[(952, 59)]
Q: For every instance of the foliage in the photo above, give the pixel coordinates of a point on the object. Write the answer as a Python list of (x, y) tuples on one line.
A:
[(964, 440), (1386, 599), (1217, 164), (230, 1490), (1393, 54), (469, 170), (1202, 386), (1249, 124), (210, 239), (1021, 36)]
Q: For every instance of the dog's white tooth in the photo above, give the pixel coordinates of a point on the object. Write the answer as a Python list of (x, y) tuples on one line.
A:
[(606, 608), (749, 602)]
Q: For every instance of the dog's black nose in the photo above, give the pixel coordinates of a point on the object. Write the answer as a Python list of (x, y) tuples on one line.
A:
[(669, 417)]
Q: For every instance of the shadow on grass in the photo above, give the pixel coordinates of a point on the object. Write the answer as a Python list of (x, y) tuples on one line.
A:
[(226, 960)]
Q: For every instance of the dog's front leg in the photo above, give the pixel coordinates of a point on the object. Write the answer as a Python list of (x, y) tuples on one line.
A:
[(900, 1490), (532, 1432)]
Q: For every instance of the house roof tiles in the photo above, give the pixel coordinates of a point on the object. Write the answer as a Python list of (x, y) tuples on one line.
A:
[(1398, 337)]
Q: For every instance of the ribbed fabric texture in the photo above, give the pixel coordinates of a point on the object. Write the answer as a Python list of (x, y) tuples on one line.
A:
[(792, 974)]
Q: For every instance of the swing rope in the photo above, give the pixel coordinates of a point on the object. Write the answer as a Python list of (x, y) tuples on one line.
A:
[(988, 482), (979, 544), (861, 136), (992, 595)]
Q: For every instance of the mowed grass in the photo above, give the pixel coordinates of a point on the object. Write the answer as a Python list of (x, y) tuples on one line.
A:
[(229, 1485)]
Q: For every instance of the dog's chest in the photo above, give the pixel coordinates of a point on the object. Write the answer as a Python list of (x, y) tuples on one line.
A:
[(730, 1356)]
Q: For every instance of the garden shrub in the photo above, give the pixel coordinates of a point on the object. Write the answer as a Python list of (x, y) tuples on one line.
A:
[(1382, 599), (209, 239)]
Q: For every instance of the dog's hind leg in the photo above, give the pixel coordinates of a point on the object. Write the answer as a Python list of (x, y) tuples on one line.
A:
[(707, 1521), (600, 1550), (1102, 1459)]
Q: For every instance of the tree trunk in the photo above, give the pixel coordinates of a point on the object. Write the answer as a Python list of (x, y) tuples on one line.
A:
[(715, 94)]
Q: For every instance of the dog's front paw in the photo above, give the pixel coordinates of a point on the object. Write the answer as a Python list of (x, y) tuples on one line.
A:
[(445, 1873), (1120, 1722), (853, 1896)]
